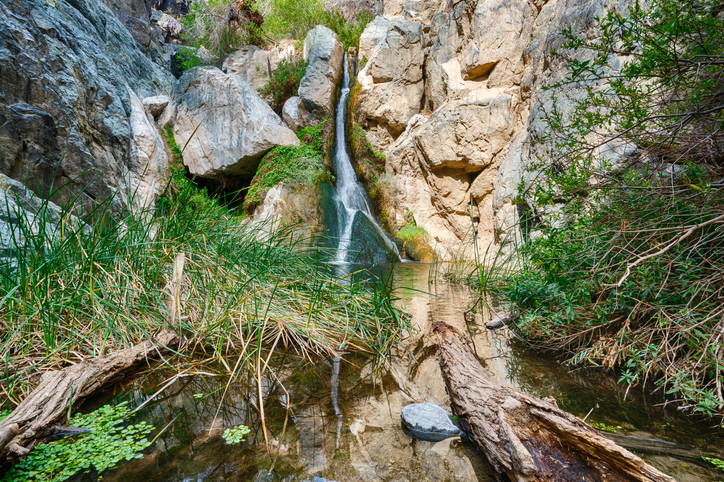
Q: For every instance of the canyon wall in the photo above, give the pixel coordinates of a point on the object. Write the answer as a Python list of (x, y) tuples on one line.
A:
[(451, 92)]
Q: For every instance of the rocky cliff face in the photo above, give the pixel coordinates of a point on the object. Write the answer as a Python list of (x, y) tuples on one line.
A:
[(452, 93), (71, 75)]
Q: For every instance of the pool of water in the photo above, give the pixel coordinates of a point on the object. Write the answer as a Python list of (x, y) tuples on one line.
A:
[(341, 421)]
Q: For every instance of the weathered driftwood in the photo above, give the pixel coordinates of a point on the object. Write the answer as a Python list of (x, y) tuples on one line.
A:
[(48, 404), (526, 438)]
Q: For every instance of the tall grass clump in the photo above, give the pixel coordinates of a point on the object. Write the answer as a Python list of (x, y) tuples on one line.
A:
[(76, 285), (625, 268)]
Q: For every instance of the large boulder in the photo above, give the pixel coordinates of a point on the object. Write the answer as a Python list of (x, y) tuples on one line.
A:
[(324, 54), (391, 82), (65, 70), (256, 65), (224, 124)]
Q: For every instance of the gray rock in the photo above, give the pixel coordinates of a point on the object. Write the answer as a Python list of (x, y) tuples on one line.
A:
[(232, 126), (324, 53), (156, 104), (295, 115), (427, 421), (65, 69)]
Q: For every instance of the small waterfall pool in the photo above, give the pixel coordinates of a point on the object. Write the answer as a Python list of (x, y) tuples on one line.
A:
[(332, 421)]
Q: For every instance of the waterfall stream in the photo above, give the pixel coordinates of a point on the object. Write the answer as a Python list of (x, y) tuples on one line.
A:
[(350, 197)]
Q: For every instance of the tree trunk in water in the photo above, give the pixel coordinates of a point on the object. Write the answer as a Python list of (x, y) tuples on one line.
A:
[(526, 438), (48, 404)]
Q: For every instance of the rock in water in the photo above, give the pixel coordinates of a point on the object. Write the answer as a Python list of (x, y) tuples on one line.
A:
[(427, 421)]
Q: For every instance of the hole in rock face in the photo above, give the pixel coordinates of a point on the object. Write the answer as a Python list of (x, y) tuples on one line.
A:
[(228, 189), (481, 72)]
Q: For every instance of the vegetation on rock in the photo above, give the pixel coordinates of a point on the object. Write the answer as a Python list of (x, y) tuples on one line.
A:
[(284, 82), (624, 267), (302, 166)]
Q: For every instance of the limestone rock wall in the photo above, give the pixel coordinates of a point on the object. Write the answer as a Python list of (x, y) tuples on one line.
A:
[(451, 92)]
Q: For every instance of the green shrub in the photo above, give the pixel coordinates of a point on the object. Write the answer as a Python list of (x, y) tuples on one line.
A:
[(293, 19), (284, 82), (627, 268), (220, 27), (411, 232)]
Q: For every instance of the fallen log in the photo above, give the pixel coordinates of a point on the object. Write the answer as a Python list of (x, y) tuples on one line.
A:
[(523, 437), (48, 403)]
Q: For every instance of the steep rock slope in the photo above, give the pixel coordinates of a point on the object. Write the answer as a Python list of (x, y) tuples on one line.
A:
[(69, 70), (458, 108)]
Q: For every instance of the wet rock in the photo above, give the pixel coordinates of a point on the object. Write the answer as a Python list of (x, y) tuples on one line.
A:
[(369, 245), (232, 127), (501, 321), (427, 421), (324, 53)]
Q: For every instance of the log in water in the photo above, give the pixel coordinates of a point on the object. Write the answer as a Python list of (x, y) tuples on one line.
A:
[(524, 437)]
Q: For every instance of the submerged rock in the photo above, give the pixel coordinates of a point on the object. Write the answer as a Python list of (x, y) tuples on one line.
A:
[(227, 125), (427, 421)]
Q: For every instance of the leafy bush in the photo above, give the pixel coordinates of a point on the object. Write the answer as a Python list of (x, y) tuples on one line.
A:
[(220, 27), (235, 435), (628, 268), (284, 82), (293, 19)]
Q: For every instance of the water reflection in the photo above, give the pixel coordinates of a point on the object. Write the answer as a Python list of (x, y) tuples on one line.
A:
[(333, 420)]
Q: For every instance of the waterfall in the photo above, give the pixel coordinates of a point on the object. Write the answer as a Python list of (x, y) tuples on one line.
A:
[(350, 196)]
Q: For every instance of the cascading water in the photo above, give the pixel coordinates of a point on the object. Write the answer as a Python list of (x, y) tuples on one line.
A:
[(350, 196)]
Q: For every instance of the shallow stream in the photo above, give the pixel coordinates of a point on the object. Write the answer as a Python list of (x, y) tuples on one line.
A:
[(356, 435)]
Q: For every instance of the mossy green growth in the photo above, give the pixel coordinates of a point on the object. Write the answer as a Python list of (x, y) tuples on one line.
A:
[(294, 166), (410, 232), (235, 435), (108, 442)]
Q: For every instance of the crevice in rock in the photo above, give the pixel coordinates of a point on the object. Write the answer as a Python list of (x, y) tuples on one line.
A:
[(480, 73)]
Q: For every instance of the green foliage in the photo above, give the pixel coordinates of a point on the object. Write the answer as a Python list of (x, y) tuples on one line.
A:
[(284, 82), (189, 58), (718, 463), (4, 414), (220, 27), (294, 166), (410, 232), (293, 19), (627, 267), (235, 435), (109, 442), (605, 428)]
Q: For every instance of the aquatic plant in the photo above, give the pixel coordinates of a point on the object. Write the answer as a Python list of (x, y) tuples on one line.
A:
[(235, 435), (109, 441)]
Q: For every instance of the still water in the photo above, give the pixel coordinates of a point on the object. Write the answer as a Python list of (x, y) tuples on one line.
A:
[(332, 420)]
